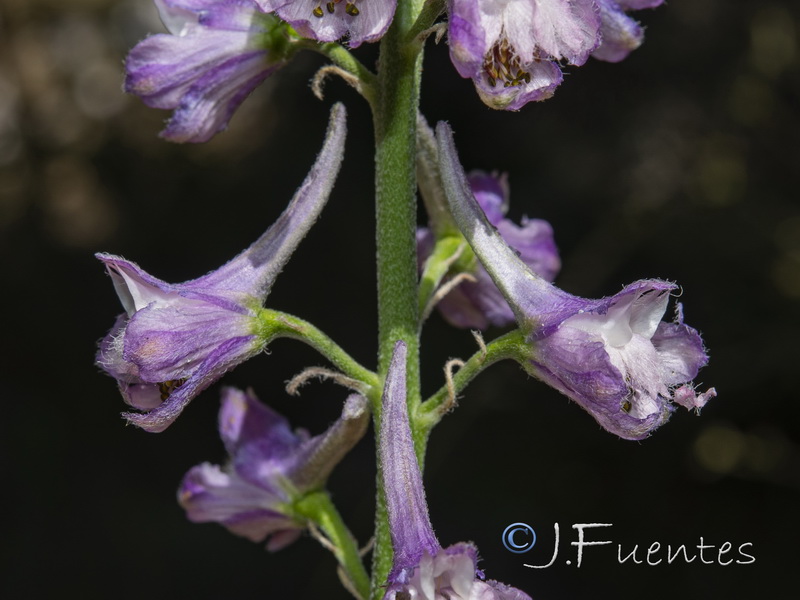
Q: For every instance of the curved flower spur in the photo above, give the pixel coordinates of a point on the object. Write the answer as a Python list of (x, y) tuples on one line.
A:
[(422, 569), (613, 356), (478, 304), (175, 340)]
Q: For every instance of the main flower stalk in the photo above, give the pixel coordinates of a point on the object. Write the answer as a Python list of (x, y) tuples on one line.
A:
[(395, 120)]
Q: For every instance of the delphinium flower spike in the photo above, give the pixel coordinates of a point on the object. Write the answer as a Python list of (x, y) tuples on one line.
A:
[(613, 356), (329, 20), (422, 568), (479, 304), (215, 54), (270, 467), (174, 340)]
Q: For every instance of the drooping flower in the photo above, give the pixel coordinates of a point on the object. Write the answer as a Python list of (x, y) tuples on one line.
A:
[(327, 21), (613, 356), (174, 340), (270, 466), (478, 304), (512, 49), (216, 53), (421, 569), (619, 33)]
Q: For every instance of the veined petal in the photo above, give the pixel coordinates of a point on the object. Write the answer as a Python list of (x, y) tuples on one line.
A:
[(466, 37), (208, 493), (208, 105), (217, 53), (162, 68), (170, 342)]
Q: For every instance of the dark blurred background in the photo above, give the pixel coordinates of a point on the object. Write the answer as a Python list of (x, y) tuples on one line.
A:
[(683, 163)]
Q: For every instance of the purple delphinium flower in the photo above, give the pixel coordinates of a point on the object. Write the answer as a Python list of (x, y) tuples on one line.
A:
[(421, 567), (619, 33), (613, 356), (174, 340), (511, 49), (270, 466), (216, 53), (476, 305), (329, 20)]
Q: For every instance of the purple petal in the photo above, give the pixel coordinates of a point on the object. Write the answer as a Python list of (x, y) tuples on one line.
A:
[(621, 34), (545, 77), (267, 453), (681, 351), (466, 37), (491, 192), (328, 22), (222, 359), (252, 428), (208, 105), (170, 342), (209, 494), (409, 524), (214, 58)]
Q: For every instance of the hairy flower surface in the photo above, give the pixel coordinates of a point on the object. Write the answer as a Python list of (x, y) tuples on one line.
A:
[(216, 53), (269, 467), (176, 339), (478, 304), (360, 20), (422, 569), (613, 356), (512, 49)]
